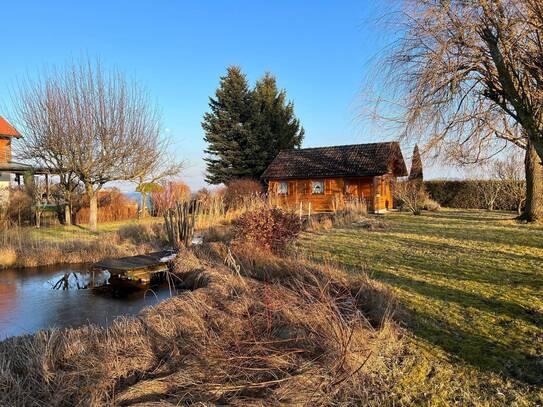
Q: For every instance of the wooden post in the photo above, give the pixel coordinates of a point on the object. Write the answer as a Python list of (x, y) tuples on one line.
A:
[(309, 212), (301, 209)]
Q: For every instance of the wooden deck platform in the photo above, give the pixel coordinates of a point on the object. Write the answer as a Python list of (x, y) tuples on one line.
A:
[(136, 270)]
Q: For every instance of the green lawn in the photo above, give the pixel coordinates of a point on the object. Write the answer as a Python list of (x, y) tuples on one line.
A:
[(470, 284)]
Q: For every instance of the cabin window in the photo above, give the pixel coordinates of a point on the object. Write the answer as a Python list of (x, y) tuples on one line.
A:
[(282, 189), (317, 187)]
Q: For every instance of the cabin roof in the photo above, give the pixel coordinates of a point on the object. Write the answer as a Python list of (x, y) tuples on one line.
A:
[(7, 130), (355, 160)]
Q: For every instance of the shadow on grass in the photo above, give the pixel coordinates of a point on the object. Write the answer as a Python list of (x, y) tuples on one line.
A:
[(476, 349)]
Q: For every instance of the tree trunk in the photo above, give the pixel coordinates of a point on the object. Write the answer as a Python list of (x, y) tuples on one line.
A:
[(67, 215), (143, 204), (533, 211), (93, 209)]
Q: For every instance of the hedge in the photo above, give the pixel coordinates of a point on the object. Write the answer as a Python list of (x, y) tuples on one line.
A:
[(463, 194)]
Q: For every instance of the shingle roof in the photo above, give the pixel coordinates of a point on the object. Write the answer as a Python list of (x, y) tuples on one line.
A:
[(356, 160), (7, 130)]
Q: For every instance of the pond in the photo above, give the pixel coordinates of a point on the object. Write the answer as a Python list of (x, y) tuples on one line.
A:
[(28, 302)]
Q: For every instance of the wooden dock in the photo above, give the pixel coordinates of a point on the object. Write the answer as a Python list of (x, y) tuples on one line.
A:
[(135, 271)]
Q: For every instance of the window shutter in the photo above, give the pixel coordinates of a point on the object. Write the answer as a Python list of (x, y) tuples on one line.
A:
[(327, 186)]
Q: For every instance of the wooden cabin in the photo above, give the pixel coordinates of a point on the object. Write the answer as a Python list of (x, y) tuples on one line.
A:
[(327, 177)]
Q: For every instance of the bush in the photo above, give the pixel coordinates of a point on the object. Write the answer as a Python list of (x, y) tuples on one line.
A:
[(268, 228), (19, 209), (168, 195), (411, 195), (238, 191), (113, 206)]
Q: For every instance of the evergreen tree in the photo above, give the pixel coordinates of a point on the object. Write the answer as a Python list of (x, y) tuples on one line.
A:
[(227, 128), (416, 166), (275, 127), (246, 129)]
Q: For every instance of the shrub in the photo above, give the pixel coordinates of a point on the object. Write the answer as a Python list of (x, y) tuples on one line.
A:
[(168, 195), (411, 195), (19, 209), (238, 191), (113, 206), (268, 228)]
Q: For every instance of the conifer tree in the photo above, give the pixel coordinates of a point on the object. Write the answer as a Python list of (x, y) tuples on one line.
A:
[(275, 127), (416, 166), (227, 128), (245, 129)]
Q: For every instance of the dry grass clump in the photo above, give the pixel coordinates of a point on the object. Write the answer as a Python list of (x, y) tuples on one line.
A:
[(373, 223), (268, 228), (8, 256), (291, 333), (140, 233), (219, 233)]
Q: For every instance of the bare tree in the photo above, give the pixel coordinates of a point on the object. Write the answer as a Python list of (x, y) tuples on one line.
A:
[(410, 194), (468, 74), (489, 191), (83, 121)]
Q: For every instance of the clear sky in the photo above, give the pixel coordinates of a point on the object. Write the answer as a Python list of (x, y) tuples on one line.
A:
[(319, 50)]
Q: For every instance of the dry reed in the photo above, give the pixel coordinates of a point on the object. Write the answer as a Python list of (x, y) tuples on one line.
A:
[(279, 332)]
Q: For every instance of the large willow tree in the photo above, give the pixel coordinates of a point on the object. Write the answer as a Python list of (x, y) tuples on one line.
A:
[(467, 75)]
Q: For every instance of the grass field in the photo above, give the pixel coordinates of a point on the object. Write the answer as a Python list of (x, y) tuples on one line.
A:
[(62, 233), (470, 285), (30, 246)]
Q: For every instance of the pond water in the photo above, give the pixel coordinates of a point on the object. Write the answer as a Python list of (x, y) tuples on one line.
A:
[(28, 303)]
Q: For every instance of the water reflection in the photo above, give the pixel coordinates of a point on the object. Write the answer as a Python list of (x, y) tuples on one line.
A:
[(28, 302)]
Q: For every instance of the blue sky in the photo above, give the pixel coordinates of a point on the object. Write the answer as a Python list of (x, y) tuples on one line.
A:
[(320, 51)]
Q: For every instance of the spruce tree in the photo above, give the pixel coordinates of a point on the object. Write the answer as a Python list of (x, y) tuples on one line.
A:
[(275, 127), (245, 129), (227, 127)]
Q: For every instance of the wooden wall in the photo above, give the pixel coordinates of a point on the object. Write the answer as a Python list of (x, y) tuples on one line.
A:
[(336, 190), (5, 150)]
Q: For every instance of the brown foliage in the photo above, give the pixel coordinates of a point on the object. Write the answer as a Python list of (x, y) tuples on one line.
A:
[(268, 228), (113, 206), (168, 195)]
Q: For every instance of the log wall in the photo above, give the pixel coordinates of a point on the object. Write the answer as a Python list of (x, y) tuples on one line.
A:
[(375, 190)]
